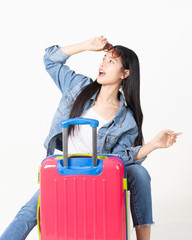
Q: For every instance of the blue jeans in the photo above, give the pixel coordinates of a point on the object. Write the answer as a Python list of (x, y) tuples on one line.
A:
[(139, 185), (141, 206), (23, 222)]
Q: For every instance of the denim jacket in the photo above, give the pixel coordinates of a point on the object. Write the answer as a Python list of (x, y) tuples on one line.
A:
[(115, 137)]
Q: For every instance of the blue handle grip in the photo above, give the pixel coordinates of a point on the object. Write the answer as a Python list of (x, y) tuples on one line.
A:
[(79, 121)]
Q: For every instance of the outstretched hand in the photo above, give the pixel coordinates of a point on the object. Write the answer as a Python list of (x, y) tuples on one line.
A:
[(96, 44), (165, 138)]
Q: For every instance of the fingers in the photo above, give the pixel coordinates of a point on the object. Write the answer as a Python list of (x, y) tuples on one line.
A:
[(96, 43), (172, 138), (104, 40), (179, 133), (171, 141), (174, 135), (168, 131)]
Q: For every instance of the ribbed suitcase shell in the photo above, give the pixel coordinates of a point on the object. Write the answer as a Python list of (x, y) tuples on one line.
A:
[(87, 207)]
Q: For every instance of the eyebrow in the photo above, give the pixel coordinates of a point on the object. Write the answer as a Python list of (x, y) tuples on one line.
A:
[(111, 57)]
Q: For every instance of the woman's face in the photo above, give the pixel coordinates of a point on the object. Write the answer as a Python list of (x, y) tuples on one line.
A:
[(110, 70)]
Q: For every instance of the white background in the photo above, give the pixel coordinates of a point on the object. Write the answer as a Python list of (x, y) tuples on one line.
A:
[(160, 32)]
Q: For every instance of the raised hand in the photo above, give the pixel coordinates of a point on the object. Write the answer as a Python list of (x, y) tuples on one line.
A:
[(96, 43)]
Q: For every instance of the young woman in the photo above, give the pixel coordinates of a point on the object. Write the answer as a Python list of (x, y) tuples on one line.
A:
[(113, 99)]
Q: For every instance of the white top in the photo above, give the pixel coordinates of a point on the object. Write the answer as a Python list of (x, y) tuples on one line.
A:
[(81, 142)]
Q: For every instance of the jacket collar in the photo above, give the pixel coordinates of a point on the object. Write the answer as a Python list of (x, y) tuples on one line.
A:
[(121, 113)]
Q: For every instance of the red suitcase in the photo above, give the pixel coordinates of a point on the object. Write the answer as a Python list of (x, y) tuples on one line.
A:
[(83, 197)]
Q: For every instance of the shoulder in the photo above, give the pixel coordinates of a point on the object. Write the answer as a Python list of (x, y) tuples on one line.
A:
[(129, 120)]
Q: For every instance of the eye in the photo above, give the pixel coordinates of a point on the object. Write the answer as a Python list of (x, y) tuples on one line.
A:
[(111, 61)]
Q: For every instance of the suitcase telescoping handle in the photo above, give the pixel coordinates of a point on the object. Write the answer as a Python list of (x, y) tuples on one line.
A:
[(79, 121)]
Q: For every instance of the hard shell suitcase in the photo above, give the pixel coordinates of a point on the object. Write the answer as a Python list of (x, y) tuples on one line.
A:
[(82, 196)]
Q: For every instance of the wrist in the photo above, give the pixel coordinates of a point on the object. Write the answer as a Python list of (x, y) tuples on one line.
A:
[(153, 144), (84, 45), (87, 45), (146, 149), (74, 48)]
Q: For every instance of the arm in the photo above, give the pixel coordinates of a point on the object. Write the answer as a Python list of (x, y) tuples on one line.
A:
[(124, 147), (138, 154), (94, 44), (55, 58), (164, 139)]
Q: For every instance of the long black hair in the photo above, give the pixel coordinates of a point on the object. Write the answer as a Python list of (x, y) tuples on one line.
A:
[(130, 87)]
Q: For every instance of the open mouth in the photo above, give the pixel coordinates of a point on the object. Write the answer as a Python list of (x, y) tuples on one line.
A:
[(101, 73)]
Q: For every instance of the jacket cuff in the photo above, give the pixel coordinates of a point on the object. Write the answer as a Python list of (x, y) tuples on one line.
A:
[(132, 152), (56, 54)]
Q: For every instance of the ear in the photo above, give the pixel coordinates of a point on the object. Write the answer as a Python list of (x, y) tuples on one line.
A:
[(125, 74)]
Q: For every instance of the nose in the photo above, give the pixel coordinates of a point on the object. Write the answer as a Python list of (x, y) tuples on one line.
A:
[(102, 64)]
